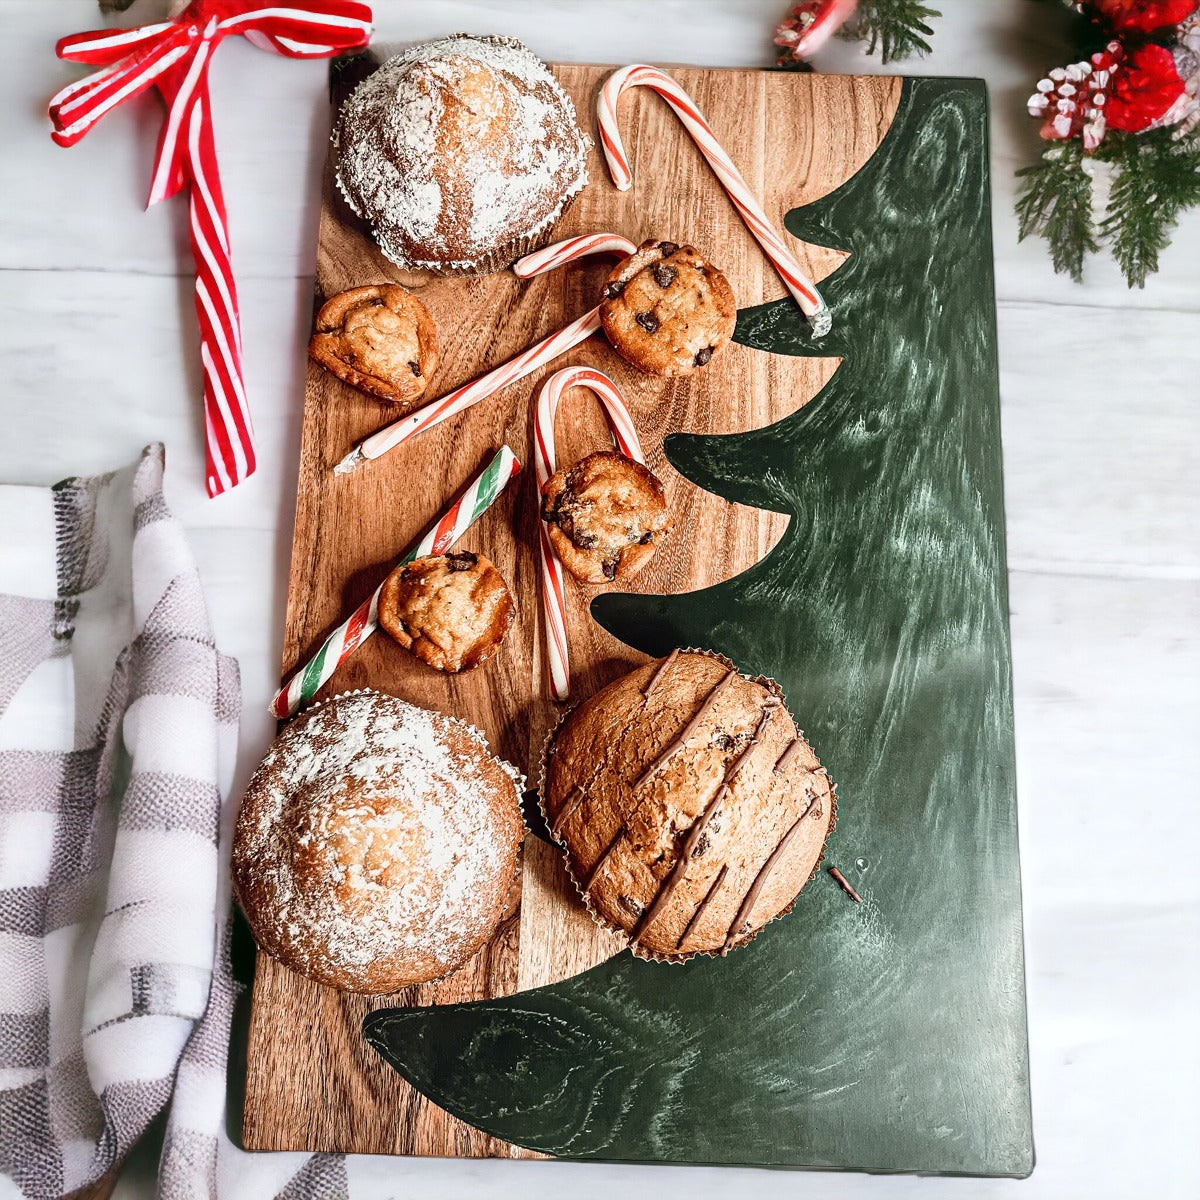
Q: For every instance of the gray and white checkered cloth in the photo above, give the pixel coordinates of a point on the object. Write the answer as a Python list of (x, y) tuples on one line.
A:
[(118, 732)]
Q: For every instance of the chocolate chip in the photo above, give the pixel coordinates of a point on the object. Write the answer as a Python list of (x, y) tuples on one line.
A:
[(635, 906), (702, 356), (721, 740), (586, 541), (668, 247), (463, 561), (664, 275), (714, 822), (646, 538), (613, 290), (648, 321), (415, 368), (609, 568), (701, 846)]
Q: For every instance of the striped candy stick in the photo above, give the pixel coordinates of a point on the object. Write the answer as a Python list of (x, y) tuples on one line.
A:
[(481, 493), (525, 363), (738, 190), (554, 599), (174, 56)]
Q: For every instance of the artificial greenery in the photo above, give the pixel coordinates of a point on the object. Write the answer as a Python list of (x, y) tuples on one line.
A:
[(1157, 176), (899, 28), (1055, 201), (1154, 176)]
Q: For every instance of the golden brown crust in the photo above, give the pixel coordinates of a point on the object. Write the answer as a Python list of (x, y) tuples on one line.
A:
[(667, 310), (376, 844), (605, 516), (689, 847), (451, 610), (379, 339)]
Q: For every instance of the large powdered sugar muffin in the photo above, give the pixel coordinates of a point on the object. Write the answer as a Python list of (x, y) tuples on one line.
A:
[(460, 154), (690, 808), (376, 844)]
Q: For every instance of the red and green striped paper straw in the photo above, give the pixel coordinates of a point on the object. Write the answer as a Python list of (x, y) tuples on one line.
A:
[(481, 493)]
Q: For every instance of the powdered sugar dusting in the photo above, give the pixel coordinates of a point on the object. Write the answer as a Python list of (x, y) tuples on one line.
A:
[(458, 148), (374, 841)]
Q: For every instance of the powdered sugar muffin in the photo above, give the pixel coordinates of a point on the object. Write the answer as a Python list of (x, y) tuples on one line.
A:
[(460, 154), (376, 844)]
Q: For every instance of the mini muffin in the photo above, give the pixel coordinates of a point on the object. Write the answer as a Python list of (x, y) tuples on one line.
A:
[(605, 516), (667, 310), (460, 154), (690, 808), (379, 339), (376, 844), (451, 610)]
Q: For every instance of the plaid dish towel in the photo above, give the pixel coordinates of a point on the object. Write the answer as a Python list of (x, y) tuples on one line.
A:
[(118, 727)]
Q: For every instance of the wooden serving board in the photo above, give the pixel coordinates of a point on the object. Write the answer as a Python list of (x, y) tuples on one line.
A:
[(312, 1082)]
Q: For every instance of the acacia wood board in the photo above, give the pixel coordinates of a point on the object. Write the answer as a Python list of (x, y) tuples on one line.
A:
[(312, 1082)]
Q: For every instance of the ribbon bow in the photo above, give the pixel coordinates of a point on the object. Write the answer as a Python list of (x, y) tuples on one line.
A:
[(174, 56)]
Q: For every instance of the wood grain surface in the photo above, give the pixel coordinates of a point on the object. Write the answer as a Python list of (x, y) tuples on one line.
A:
[(312, 1082)]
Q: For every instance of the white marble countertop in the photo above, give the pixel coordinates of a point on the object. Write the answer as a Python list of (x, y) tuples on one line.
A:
[(1102, 463)]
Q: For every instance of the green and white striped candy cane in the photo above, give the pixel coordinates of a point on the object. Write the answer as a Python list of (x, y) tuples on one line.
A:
[(480, 495)]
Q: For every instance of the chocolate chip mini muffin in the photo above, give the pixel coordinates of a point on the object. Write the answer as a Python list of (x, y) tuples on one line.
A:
[(376, 844), (667, 310), (451, 610), (690, 808), (460, 154), (379, 339), (606, 516)]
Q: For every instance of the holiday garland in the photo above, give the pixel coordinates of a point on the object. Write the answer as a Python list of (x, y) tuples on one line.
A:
[(1130, 103)]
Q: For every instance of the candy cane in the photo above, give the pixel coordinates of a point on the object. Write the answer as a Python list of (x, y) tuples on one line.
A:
[(175, 56), (782, 259), (525, 363), (481, 493), (554, 600)]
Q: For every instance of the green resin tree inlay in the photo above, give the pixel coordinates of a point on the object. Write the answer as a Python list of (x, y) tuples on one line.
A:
[(888, 1035)]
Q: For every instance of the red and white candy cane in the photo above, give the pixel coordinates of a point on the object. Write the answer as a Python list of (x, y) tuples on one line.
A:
[(525, 363), (554, 598), (174, 56), (738, 190)]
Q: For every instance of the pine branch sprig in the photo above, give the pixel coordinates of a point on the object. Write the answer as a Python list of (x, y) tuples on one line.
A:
[(1156, 176), (900, 28), (1055, 202)]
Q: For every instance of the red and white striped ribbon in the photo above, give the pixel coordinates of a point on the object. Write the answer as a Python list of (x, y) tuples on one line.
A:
[(174, 56), (554, 597), (738, 190), (528, 361)]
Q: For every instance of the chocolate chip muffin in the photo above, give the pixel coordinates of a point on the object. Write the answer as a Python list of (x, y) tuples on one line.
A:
[(376, 844), (666, 310), (379, 339), (605, 516), (690, 808), (451, 610)]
